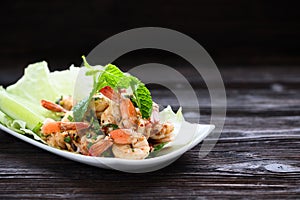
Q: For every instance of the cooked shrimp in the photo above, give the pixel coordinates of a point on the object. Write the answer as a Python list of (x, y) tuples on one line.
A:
[(129, 144), (108, 92), (123, 114), (52, 106), (66, 102), (100, 103), (162, 132), (155, 113), (51, 126), (144, 127), (121, 110), (128, 114), (111, 114), (100, 146)]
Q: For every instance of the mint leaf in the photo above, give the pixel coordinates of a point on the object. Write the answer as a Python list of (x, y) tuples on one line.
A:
[(80, 108), (143, 99), (86, 64), (109, 77), (91, 72)]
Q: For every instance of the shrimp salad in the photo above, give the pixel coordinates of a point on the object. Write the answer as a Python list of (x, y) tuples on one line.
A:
[(117, 119), (120, 129)]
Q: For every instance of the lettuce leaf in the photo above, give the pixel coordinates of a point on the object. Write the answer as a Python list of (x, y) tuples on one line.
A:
[(5, 120), (38, 83), (35, 84), (21, 101), (64, 81), (167, 115)]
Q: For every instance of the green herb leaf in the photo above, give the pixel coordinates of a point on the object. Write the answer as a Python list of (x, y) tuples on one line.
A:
[(143, 100), (89, 145), (67, 139), (91, 71), (160, 146), (156, 149), (95, 128), (86, 64), (109, 77), (37, 128), (128, 81), (114, 126), (70, 118), (107, 153), (80, 109)]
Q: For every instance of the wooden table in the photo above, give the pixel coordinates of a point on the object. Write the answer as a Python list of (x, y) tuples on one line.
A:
[(257, 155)]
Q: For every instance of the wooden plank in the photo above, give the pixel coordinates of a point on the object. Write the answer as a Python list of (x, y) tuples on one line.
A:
[(232, 168), (257, 155)]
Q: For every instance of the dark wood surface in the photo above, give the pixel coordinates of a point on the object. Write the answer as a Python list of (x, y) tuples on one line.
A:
[(256, 157)]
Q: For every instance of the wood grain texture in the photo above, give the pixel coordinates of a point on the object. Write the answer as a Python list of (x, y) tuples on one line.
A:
[(256, 157)]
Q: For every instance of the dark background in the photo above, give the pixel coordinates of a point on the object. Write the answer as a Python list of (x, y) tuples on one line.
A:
[(243, 33)]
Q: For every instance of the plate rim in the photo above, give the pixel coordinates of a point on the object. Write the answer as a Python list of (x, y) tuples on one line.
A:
[(90, 160)]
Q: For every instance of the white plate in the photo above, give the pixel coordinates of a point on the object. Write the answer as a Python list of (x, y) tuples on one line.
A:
[(187, 136)]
